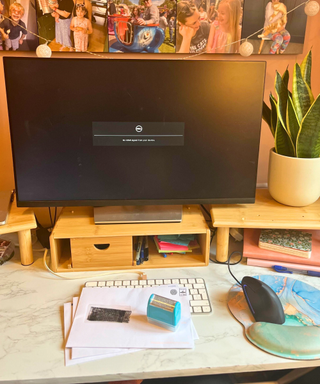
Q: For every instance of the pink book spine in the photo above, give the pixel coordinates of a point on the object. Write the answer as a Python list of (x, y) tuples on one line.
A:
[(270, 264)]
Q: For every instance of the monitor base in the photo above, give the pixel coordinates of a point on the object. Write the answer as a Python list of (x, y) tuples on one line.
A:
[(138, 214)]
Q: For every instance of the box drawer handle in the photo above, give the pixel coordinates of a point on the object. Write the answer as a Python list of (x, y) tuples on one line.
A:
[(101, 247)]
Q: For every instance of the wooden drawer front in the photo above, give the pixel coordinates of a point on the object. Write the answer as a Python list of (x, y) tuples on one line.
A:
[(101, 252)]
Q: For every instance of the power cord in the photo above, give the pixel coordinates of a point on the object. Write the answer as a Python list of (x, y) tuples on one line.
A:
[(213, 230), (228, 261), (229, 264), (142, 275)]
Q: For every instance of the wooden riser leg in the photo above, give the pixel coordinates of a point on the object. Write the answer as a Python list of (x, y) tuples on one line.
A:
[(222, 244), (25, 245)]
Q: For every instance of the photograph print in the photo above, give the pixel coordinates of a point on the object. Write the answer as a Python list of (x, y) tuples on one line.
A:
[(73, 25), (16, 19), (142, 26), (282, 33), (212, 26)]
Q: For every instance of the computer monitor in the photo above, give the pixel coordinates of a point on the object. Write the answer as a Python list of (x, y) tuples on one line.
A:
[(119, 132)]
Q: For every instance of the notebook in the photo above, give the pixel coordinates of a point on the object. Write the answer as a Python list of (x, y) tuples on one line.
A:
[(288, 241), (251, 249)]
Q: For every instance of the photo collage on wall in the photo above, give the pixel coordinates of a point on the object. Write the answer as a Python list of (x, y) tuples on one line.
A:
[(153, 26)]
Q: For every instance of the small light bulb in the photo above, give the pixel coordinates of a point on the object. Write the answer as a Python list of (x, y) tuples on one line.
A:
[(246, 49), (43, 50), (312, 8)]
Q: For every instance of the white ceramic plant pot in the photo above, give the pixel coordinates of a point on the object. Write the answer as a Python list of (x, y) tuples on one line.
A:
[(293, 181)]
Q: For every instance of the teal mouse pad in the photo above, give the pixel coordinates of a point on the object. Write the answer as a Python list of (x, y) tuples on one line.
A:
[(299, 337)]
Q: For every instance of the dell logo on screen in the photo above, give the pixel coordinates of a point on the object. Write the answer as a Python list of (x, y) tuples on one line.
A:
[(139, 128)]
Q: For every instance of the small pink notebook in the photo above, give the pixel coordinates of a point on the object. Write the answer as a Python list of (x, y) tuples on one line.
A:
[(252, 250)]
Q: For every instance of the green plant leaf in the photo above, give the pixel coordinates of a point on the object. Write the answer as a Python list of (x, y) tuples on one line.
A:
[(282, 93), (273, 103), (300, 94), (266, 115), (285, 78), (306, 68), (283, 142), (292, 122), (308, 140)]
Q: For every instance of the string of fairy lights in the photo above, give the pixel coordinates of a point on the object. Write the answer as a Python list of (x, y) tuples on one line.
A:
[(311, 8)]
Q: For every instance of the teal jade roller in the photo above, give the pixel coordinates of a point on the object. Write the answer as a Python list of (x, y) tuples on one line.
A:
[(164, 312)]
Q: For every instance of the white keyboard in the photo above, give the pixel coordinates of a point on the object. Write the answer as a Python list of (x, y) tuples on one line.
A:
[(198, 294)]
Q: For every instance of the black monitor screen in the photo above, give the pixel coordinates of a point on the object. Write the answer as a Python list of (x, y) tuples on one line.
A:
[(130, 132)]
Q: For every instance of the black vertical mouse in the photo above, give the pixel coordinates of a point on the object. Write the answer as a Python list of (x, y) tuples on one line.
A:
[(263, 302)]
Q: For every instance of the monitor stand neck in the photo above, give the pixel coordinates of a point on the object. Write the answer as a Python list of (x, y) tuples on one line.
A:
[(138, 214)]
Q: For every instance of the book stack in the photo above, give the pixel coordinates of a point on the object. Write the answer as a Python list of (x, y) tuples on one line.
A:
[(167, 244), (291, 249)]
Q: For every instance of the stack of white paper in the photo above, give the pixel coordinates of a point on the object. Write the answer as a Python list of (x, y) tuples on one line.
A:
[(89, 337)]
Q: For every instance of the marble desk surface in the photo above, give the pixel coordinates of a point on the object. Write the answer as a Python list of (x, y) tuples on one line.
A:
[(31, 337)]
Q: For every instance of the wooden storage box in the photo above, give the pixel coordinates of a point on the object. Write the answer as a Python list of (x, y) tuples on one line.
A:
[(101, 252), (75, 242)]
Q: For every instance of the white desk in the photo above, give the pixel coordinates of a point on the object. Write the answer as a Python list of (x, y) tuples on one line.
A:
[(31, 339)]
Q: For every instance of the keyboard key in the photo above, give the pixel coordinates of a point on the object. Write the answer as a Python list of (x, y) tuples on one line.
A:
[(126, 282), (134, 282), (191, 281), (202, 291), (183, 281), (198, 286), (117, 283), (110, 283), (159, 282), (199, 281), (191, 309), (175, 281), (195, 303), (188, 286), (197, 297), (204, 296), (101, 284), (167, 281), (197, 309), (206, 309), (91, 284), (150, 282), (193, 291), (142, 282)]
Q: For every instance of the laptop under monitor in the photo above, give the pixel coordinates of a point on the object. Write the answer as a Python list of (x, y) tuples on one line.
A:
[(5, 201)]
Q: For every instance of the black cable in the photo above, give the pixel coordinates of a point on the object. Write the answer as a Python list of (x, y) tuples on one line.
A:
[(213, 232), (206, 211), (228, 261), (233, 264), (50, 217), (55, 216)]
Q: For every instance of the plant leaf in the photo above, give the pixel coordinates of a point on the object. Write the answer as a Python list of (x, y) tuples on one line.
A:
[(308, 140), (283, 142), (300, 94), (306, 68), (273, 103), (266, 115), (285, 78), (292, 122), (282, 93)]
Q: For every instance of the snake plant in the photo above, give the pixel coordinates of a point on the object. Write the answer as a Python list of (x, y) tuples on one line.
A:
[(294, 118)]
